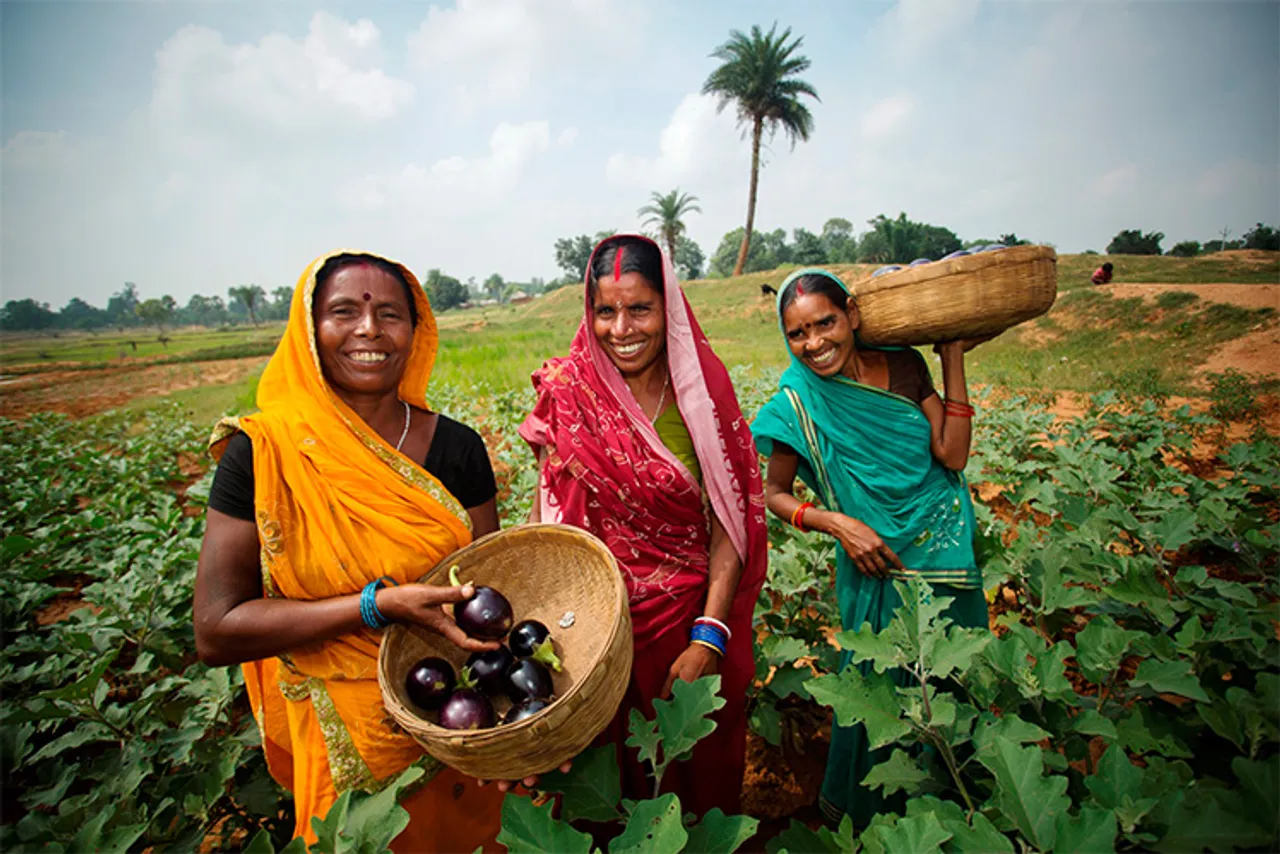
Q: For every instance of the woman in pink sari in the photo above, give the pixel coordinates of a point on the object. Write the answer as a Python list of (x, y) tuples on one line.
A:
[(641, 441)]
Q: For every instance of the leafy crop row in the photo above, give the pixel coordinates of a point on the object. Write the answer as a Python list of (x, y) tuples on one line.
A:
[(1127, 698)]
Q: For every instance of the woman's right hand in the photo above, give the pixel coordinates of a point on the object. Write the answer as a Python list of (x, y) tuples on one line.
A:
[(421, 604), (870, 554)]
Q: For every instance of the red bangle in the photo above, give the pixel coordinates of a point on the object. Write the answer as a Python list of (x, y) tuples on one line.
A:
[(957, 408), (797, 515)]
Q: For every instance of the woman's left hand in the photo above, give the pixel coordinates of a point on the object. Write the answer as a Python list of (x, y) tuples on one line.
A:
[(696, 661)]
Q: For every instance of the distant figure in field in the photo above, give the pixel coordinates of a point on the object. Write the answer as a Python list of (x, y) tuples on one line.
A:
[(1102, 275)]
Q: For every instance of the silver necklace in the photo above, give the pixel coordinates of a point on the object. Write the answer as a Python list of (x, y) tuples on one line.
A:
[(661, 398), (405, 432)]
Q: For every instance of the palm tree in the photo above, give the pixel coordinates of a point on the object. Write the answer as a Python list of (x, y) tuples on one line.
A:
[(666, 213), (758, 75)]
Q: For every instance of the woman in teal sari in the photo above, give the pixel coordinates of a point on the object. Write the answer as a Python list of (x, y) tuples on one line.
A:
[(866, 431)]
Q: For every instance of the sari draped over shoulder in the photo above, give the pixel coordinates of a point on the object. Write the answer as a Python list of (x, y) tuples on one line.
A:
[(337, 507), (606, 470), (866, 453)]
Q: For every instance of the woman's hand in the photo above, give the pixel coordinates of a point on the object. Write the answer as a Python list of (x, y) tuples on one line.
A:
[(421, 604), (951, 349), (529, 782), (696, 661), (870, 554)]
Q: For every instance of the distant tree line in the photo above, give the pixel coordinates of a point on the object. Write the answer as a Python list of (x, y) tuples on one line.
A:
[(1133, 241)]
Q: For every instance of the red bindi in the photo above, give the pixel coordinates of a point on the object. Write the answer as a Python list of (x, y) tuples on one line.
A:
[(367, 296)]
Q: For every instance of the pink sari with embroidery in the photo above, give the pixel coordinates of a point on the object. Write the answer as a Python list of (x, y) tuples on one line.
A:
[(606, 471)]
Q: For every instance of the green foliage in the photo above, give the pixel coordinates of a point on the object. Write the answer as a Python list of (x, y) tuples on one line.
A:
[(591, 791), (665, 214), (1262, 237), (1132, 241), (1232, 396), (901, 240), (113, 737), (26, 314), (1185, 249)]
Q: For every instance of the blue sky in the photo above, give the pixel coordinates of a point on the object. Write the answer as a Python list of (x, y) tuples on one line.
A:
[(192, 146)]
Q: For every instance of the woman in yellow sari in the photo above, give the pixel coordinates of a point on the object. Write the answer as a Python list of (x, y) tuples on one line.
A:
[(357, 489)]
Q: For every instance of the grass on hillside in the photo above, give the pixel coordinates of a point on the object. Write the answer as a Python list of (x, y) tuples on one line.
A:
[(190, 344)]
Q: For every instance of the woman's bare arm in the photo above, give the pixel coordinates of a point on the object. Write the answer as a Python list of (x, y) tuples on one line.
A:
[(234, 623)]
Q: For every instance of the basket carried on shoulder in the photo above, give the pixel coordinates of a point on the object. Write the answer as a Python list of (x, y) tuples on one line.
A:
[(964, 297), (545, 570)]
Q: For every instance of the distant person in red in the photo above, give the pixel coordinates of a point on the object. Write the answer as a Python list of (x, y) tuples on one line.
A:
[(1102, 275)]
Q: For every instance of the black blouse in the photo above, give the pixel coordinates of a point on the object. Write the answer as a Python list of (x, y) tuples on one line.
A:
[(457, 458)]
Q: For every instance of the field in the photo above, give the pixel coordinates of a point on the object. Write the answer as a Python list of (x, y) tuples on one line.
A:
[(1125, 470)]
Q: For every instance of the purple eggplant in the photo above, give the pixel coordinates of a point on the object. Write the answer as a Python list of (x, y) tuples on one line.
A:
[(467, 708), (889, 269), (528, 680), (531, 639), (919, 261), (489, 669), (487, 615), (430, 682), (527, 709), (959, 253)]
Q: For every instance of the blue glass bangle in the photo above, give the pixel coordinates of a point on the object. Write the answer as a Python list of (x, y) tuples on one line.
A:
[(709, 635), (369, 611)]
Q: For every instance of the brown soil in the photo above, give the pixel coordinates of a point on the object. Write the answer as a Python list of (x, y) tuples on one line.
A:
[(1245, 296), (81, 393), (1256, 353)]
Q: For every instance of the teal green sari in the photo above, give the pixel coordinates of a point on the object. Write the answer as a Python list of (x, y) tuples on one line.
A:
[(865, 452)]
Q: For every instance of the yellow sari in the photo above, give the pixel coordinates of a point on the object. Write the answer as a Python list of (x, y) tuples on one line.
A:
[(337, 507)]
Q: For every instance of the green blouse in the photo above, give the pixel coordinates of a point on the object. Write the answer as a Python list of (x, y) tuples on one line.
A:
[(674, 433)]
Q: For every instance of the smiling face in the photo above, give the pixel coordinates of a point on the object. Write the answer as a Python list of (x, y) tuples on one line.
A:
[(363, 330), (629, 322), (820, 334)]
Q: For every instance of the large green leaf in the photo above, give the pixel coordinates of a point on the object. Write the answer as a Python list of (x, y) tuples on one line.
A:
[(592, 788), (718, 833), (980, 835), (897, 773), (867, 700), (799, 839), (1170, 677), (530, 829), (1027, 798), (1218, 820), (684, 720), (654, 826), (1101, 646), (1141, 731), (328, 830), (644, 737), (957, 650), (1008, 728), (373, 821), (1260, 787), (1091, 832), (912, 835), (867, 644), (1090, 722), (1113, 778)]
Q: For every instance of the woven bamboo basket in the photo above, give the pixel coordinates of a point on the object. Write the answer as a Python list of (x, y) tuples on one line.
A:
[(545, 570), (965, 297)]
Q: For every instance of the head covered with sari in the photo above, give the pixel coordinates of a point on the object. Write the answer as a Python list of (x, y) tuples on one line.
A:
[(865, 452), (336, 507), (607, 471)]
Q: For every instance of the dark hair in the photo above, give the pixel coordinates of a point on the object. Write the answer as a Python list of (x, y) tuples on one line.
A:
[(638, 256), (813, 283), (1107, 266), (331, 267)]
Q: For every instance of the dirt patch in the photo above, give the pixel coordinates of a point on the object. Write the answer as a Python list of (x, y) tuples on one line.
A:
[(82, 393), (1245, 296), (1256, 353)]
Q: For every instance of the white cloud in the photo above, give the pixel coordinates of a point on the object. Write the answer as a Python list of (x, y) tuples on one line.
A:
[(494, 51), (887, 116), (696, 143), (455, 184), (328, 78)]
